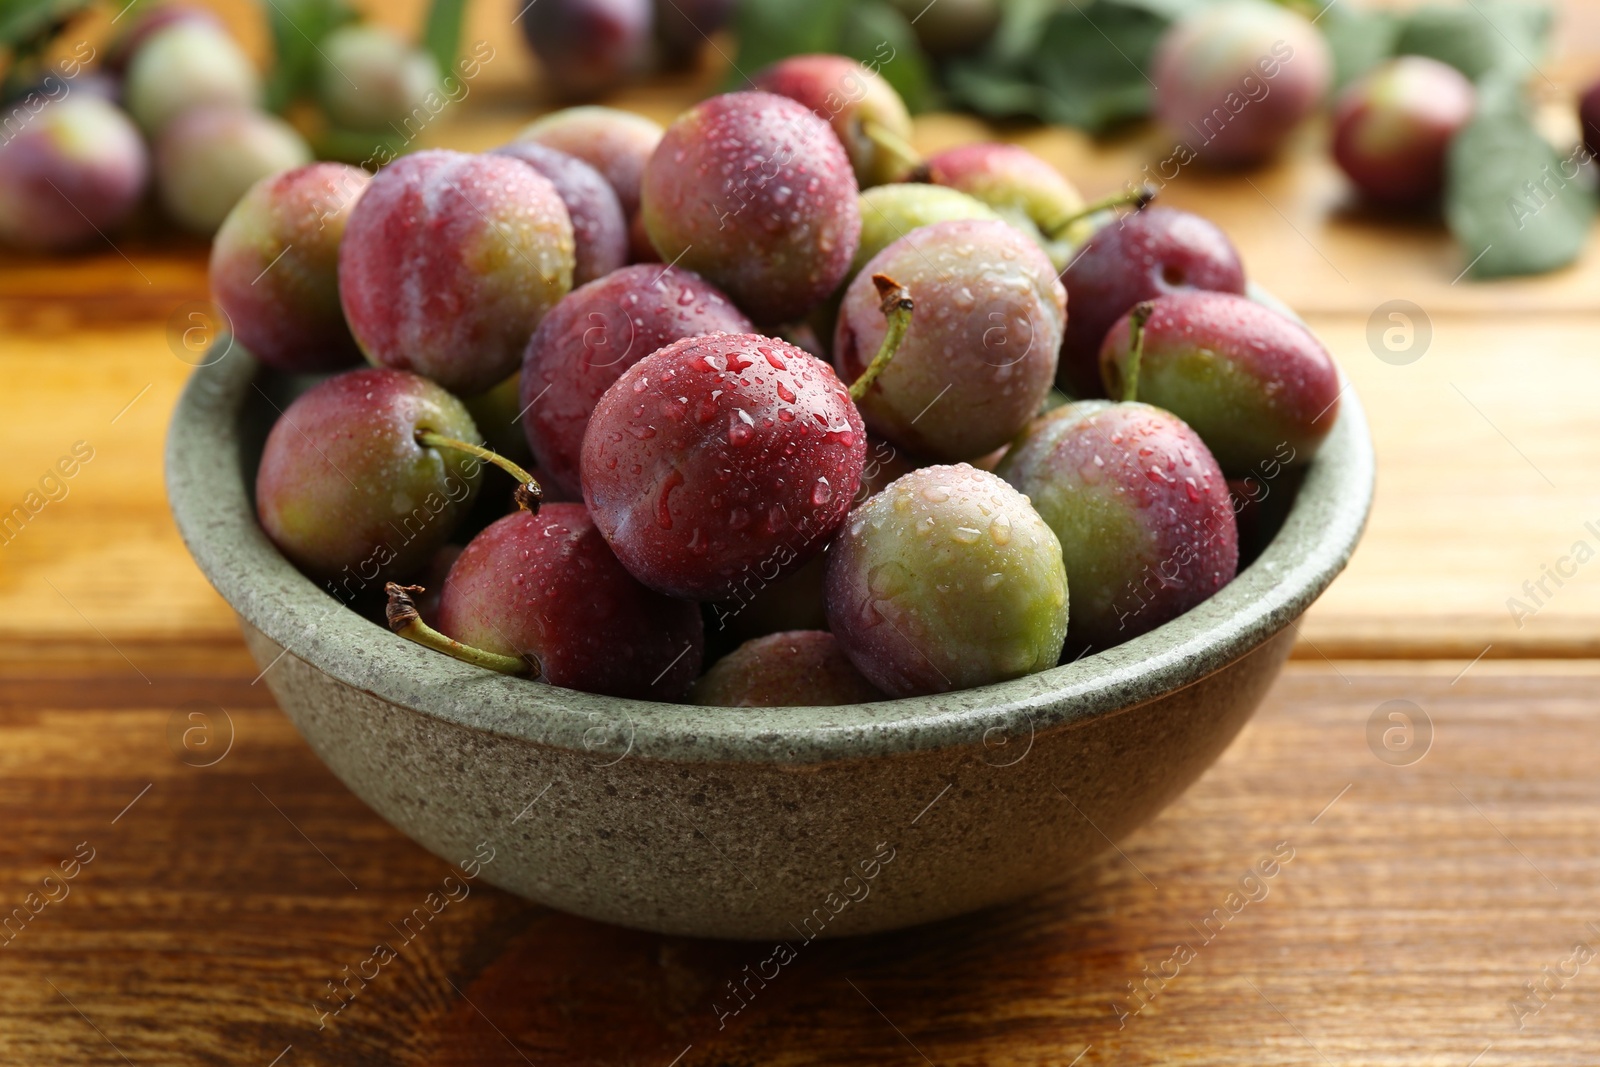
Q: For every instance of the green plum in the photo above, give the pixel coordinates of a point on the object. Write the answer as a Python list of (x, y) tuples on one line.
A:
[(184, 65), (979, 355), (208, 157), (1257, 387), (1030, 193), (369, 78), (1142, 511), (346, 491), (275, 267), (889, 212), (947, 579)]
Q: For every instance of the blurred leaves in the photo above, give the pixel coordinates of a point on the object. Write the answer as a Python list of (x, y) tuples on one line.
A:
[(877, 34), (1479, 37), (1359, 38), (870, 31), (298, 29), (1515, 203), (1081, 63), (297, 26), (441, 31), (26, 25)]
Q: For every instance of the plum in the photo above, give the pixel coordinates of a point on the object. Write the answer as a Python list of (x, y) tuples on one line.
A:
[(345, 490), (594, 334), (599, 228), (1254, 385), (543, 587), (616, 143), (275, 267), (369, 78), (947, 579), (183, 65), (75, 170), (1141, 509), (448, 263), (864, 110), (1028, 192), (588, 47), (718, 456), (890, 212), (684, 26), (1392, 129), (797, 668), (986, 332), (145, 24), (1235, 78), (209, 157), (1589, 118), (1154, 251), (756, 193)]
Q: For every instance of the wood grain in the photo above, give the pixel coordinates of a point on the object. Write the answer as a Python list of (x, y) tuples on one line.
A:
[(1417, 902)]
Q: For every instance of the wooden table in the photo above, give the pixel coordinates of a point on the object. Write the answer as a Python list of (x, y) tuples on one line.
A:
[(1421, 902)]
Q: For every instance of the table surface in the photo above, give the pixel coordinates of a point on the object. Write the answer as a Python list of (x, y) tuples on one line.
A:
[(1429, 915)]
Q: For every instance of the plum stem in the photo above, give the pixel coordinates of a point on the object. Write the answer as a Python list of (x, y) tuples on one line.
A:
[(528, 494), (1138, 199), (1137, 318), (405, 620), (894, 300), (893, 145)]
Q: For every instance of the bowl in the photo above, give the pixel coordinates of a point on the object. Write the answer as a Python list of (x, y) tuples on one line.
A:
[(790, 823)]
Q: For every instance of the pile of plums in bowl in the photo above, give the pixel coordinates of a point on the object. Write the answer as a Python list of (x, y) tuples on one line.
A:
[(739, 397), (754, 574)]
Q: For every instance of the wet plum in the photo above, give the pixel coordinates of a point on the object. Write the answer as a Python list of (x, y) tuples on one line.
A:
[(946, 580), (717, 457), (596, 333)]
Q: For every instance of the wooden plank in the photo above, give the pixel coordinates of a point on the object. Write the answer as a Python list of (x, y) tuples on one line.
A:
[(1418, 901)]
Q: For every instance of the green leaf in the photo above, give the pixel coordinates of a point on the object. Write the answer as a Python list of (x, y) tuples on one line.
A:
[(1082, 64), (992, 89), (1515, 204), (26, 24), (877, 34), (1092, 61), (1360, 38), (770, 30), (362, 148), (297, 27), (1017, 37), (1479, 36), (441, 32)]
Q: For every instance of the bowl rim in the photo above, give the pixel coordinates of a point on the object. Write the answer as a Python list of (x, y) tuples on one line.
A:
[(213, 508)]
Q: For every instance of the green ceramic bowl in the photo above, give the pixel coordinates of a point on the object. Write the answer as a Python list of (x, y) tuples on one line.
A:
[(777, 823)]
